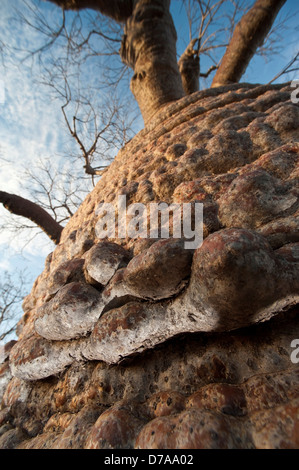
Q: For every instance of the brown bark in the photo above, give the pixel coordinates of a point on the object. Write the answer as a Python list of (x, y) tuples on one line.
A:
[(19, 206), (189, 68), (119, 10), (249, 34), (149, 47)]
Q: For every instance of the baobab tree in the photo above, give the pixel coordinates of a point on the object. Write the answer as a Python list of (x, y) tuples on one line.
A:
[(148, 47)]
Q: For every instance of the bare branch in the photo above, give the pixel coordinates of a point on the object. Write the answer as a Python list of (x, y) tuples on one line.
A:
[(211, 24), (41, 26), (210, 70), (11, 296), (23, 207), (249, 34), (287, 68), (86, 153), (189, 67)]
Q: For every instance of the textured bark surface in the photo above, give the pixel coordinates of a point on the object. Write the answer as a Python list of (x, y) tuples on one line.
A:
[(140, 343), (149, 48)]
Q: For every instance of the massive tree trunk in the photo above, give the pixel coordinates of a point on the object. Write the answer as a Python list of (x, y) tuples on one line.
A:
[(20, 206), (148, 47), (249, 34)]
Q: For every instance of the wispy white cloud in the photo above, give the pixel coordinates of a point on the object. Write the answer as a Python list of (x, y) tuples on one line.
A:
[(30, 128)]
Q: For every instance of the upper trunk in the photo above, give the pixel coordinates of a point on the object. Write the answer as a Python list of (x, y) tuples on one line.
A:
[(149, 47)]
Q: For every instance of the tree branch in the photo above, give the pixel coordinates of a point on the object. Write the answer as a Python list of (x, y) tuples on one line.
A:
[(11, 295), (23, 207), (210, 70), (189, 67), (249, 34), (118, 10), (287, 68), (87, 154)]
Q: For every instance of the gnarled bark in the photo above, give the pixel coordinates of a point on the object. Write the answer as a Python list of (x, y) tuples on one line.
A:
[(20, 206), (249, 34)]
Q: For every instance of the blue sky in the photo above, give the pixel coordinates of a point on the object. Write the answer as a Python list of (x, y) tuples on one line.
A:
[(31, 123)]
